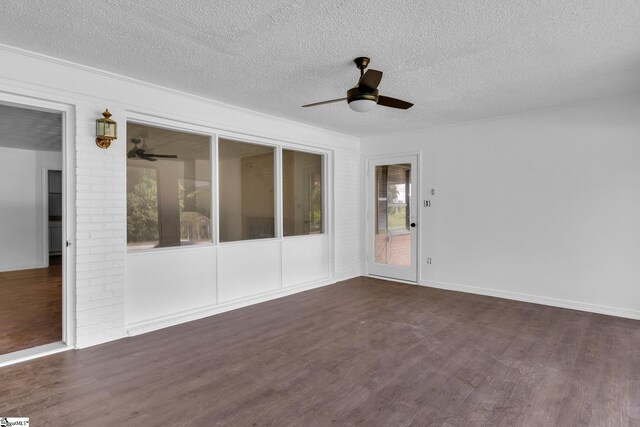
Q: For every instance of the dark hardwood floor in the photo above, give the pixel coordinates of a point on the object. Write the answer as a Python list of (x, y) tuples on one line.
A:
[(362, 352), (30, 307)]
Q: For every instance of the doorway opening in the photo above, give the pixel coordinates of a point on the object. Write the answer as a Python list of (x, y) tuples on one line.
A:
[(32, 215)]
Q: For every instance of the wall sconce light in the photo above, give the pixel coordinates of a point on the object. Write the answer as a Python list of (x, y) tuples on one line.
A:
[(106, 130)]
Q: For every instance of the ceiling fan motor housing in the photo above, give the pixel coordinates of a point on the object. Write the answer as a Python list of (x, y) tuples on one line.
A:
[(355, 94)]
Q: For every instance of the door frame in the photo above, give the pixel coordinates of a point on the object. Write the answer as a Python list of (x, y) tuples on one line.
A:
[(67, 112), (369, 201)]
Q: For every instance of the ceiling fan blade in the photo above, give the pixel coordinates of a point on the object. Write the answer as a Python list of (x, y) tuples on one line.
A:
[(325, 102), (134, 152), (145, 157), (370, 79), (393, 103), (164, 156)]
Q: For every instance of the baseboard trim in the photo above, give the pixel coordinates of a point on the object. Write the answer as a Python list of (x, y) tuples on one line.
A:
[(17, 267), (173, 319), (81, 344), (536, 299), (347, 277)]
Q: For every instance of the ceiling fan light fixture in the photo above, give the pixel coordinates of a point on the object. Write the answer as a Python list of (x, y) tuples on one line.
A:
[(365, 95), (362, 105), (362, 102)]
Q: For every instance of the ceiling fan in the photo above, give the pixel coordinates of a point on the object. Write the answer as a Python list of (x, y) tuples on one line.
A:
[(364, 96), (141, 153)]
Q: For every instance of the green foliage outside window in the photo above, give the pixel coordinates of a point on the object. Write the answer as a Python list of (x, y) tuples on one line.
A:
[(142, 205)]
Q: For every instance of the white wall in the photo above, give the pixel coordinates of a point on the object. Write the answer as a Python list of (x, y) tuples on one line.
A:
[(22, 207), (541, 207), (347, 176), (107, 280)]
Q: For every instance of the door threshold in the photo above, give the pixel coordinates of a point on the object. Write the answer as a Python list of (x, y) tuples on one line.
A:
[(391, 279), (33, 353)]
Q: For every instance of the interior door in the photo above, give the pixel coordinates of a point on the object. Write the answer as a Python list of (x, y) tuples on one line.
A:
[(392, 218)]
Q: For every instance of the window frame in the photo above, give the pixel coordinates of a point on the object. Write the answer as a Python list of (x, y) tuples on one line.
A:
[(277, 187), (324, 183), (327, 193), (279, 145), (215, 134), (171, 125)]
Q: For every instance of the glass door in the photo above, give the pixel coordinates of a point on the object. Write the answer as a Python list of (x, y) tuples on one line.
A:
[(392, 218)]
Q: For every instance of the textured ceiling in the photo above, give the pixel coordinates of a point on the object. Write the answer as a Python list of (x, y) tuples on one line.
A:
[(456, 60), (30, 129)]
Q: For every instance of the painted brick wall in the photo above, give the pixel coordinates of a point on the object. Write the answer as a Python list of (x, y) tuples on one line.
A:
[(100, 231), (101, 227), (99, 241), (348, 215)]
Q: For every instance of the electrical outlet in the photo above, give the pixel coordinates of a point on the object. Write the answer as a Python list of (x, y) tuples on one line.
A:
[(428, 260), (427, 203)]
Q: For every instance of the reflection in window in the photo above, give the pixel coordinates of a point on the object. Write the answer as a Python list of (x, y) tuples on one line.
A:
[(302, 193), (168, 188), (393, 194), (393, 191), (142, 207), (246, 191), (194, 200)]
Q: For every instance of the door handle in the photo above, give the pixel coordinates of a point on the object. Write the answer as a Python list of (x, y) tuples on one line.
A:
[(413, 224)]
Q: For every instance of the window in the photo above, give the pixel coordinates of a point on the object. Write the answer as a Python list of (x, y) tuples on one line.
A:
[(246, 191), (394, 190), (302, 193), (168, 188)]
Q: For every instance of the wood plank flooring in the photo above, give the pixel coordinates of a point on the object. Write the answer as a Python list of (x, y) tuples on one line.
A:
[(30, 308), (362, 352)]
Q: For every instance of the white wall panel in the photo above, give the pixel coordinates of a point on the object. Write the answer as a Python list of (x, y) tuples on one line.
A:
[(166, 282), (541, 207), (304, 260), (348, 217), (22, 211), (246, 269)]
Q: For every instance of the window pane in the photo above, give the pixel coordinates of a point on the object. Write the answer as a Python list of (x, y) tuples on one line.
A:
[(142, 207), (302, 193), (247, 198), (393, 235), (168, 188)]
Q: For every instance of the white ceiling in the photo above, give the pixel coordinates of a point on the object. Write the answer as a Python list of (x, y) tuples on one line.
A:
[(457, 60), (30, 129)]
